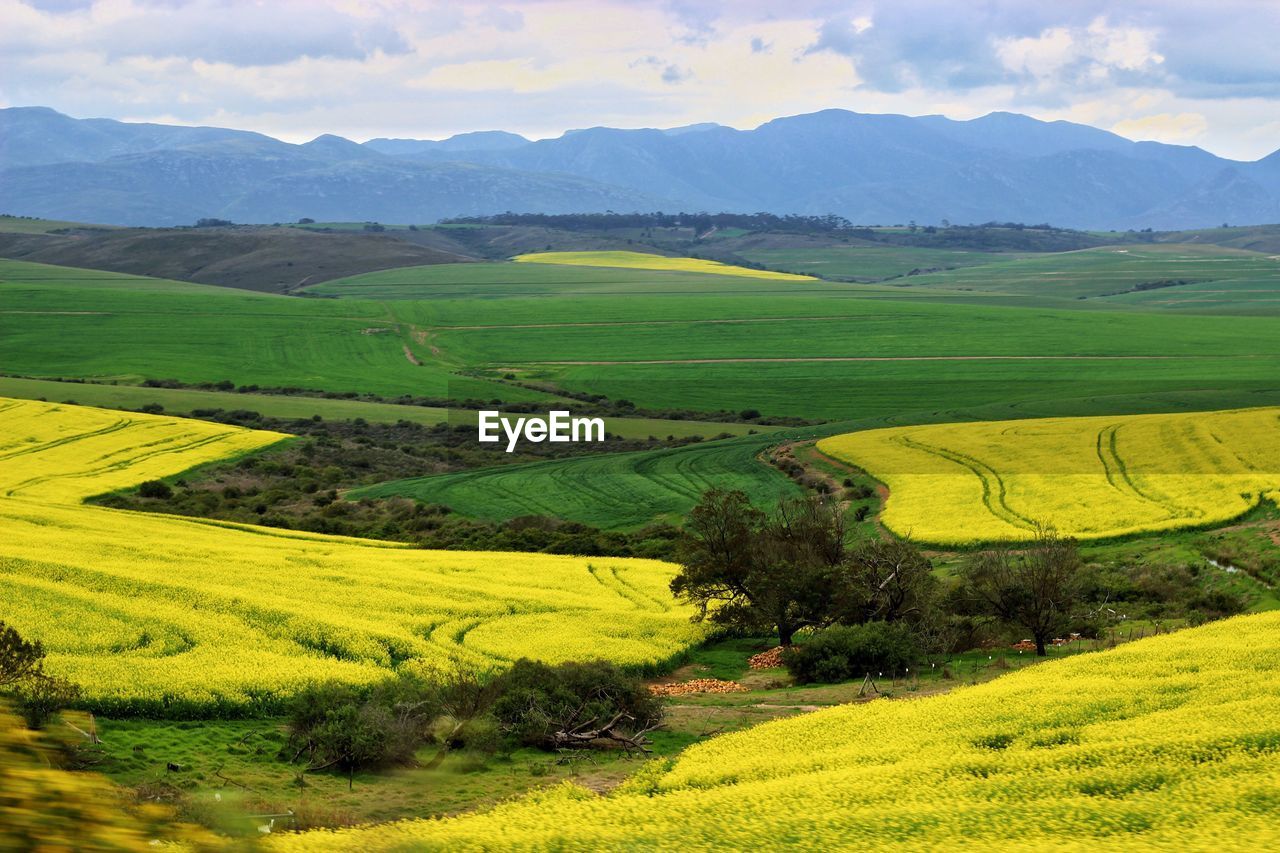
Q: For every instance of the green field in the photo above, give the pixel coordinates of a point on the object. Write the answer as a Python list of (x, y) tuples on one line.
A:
[(59, 322), (1252, 295), (871, 263), (184, 401), (874, 354), (30, 225), (1109, 271), (618, 491), (502, 279)]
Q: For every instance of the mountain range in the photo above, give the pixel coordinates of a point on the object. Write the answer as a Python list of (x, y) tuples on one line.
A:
[(871, 169)]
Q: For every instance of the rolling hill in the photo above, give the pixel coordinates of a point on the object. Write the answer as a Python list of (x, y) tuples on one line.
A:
[(1168, 743), (270, 259)]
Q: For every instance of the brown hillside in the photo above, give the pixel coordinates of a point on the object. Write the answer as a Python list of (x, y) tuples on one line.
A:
[(279, 260)]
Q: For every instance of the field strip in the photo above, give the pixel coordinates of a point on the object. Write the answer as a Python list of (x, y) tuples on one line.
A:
[(856, 358), (189, 444), (58, 442), (994, 493), (1170, 471), (1118, 476), (691, 322), (193, 617)]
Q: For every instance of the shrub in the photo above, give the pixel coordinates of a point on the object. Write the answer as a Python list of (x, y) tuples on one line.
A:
[(20, 660), (846, 652), (537, 700), (335, 726), (155, 489), (41, 697)]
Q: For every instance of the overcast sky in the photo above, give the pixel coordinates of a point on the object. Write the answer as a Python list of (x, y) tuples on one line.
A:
[(1200, 72)]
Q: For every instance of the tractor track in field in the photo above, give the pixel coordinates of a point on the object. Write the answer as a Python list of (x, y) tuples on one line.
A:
[(690, 322), (875, 358), (994, 492), (1117, 473)]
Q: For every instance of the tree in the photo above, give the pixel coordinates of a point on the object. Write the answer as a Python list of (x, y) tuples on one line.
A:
[(744, 569), (887, 580), (335, 727), (1034, 589), (353, 737), (842, 652), (41, 697), (20, 660)]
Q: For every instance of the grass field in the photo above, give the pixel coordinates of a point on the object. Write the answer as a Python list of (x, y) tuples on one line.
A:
[(157, 615), (1166, 743), (507, 280), (60, 322), (1087, 477), (871, 263), (184, 401), (621, 490), (1260, 294), (30, 225), (1109, 271), (875, 354), (670, 340)]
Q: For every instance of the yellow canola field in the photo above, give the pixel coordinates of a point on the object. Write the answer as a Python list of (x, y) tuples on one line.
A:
[(1089, 477), (161, 614), (1169, 743), (641, 261)]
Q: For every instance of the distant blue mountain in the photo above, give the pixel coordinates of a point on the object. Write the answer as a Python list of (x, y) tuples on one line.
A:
[(872, 169)]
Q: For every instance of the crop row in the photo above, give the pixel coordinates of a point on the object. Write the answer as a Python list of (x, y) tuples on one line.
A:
[(170, 616), (1088, 477)]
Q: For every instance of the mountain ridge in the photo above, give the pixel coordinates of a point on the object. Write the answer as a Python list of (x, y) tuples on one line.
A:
[(868, 168)]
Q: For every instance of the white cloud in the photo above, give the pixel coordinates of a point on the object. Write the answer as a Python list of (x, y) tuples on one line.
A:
[(1147, 68), (1091, 53)]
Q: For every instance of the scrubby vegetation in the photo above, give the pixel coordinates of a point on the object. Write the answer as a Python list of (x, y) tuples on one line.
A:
[(298, 485)]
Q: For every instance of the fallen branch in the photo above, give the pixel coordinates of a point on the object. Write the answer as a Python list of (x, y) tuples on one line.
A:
[(580, 737)]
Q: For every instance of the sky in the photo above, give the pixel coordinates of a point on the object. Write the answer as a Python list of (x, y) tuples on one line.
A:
[(1201, 73)]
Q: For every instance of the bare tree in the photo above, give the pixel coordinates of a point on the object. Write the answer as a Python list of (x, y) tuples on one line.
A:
[(1035, 588), (888, 580)]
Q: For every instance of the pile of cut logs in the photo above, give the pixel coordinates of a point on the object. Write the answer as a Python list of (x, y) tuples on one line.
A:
[(767, 660), (697, 685)]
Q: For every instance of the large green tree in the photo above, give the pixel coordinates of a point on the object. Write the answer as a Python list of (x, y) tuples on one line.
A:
[(752, 571)]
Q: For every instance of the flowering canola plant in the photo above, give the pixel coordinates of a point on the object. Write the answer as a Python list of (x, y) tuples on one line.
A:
[(642, 261), (1088, 477), (1168, 743), (166, 615)]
